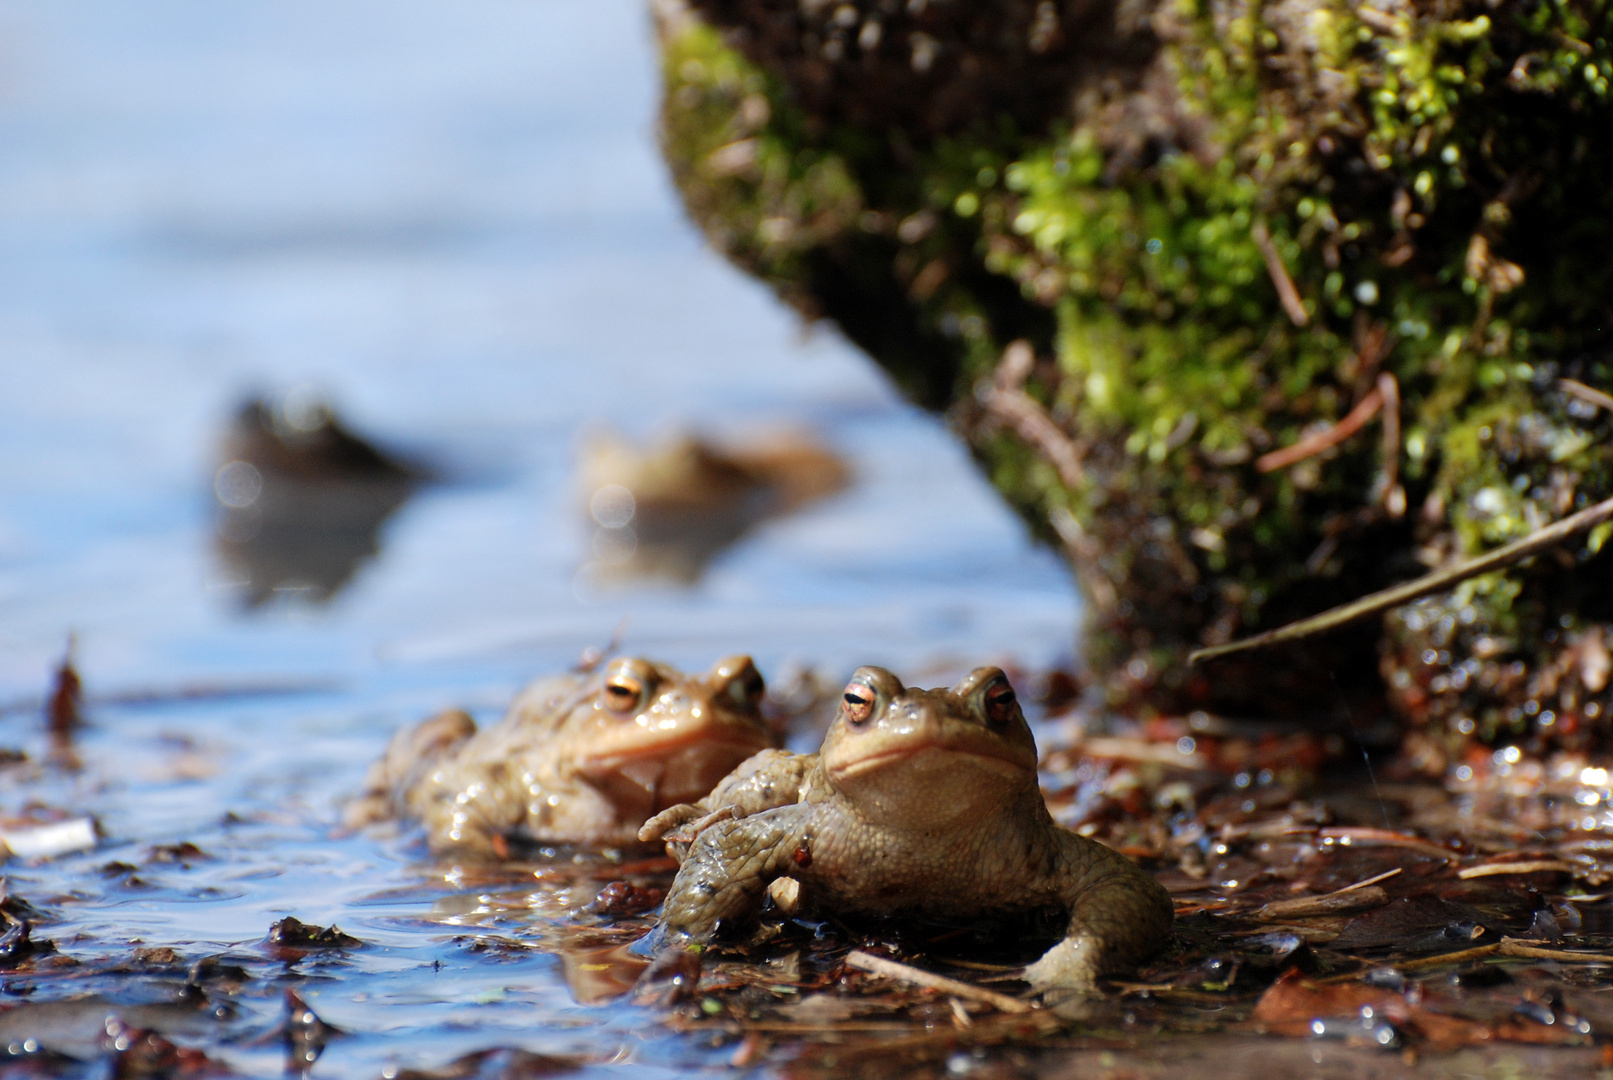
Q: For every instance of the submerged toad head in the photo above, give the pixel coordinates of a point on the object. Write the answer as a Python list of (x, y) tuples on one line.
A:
[(649, 736), (928, 758)]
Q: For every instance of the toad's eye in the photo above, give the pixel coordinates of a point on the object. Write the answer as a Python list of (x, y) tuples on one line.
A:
[(1000, 702), (622, 693), (859, 703)]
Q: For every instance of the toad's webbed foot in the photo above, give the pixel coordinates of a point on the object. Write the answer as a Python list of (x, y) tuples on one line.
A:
[(727, 869)]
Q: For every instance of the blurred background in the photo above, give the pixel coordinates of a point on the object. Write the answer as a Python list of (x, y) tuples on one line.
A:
[(420, 272), (356, 361)]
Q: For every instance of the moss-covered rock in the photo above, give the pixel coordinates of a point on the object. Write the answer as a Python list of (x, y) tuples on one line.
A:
[(1222, 226)]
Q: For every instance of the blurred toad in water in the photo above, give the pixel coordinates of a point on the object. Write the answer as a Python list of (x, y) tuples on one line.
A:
[(301, 498), (668, 511)]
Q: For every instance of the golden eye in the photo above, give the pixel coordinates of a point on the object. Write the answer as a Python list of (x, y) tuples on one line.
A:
[(858, 703), (622, 693), (1000, 702)]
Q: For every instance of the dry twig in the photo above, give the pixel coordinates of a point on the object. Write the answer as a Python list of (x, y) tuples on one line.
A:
[(1363, 894), (1394, 496), (1533, 866), (1337, 903), (1004, 397), (1353, 422), (1438, 581), (1588, 394), (890, 969), (1373, 880), (1511, 948), (1372, 836), (1523, 950), (1286, 292)]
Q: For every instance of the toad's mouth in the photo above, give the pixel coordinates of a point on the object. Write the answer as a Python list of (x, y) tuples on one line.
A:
[(949, 754), (650, 776)]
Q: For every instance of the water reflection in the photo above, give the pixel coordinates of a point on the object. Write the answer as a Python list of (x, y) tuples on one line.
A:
[(667, 511), (301, 499)]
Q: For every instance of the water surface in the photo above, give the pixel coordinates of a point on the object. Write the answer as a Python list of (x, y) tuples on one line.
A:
[(453, 222)]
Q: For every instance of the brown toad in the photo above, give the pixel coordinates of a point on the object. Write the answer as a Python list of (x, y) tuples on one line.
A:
[(578, 758), (922, 802)]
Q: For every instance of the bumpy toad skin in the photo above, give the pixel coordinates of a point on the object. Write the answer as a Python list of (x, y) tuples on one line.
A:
[(579, 759), (920, 801)]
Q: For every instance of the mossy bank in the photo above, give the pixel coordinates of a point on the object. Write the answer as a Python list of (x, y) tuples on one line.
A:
[(1224, 228)]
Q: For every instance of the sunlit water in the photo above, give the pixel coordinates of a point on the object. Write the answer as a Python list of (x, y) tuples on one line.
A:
[(452, 219)]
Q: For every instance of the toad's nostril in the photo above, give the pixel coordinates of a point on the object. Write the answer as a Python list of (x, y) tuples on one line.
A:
[(1000, 702)]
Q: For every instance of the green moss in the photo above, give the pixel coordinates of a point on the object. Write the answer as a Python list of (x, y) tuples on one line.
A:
[(770, 196), (1433, 179)]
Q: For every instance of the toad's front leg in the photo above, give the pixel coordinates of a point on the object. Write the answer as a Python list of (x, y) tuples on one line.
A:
[(761, 782), (728, 868), (1119, 916)]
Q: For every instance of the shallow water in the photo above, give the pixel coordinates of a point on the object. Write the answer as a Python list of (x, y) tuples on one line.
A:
[(453, 222)]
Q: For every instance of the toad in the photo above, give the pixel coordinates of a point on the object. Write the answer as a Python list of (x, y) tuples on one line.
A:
[(581, 759), (920, 802)]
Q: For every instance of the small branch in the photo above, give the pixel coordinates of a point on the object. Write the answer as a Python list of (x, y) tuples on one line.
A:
[(1286, 292), (1005, 399), (1428, 584), (1315, 444), (1461, 956), (890, 969), (1018, 360), (1373, 880), (1532, 866), (1523, 950), (1372, 836), (1340, 903), (1351, 897), (1394, 497), (1588, 394)]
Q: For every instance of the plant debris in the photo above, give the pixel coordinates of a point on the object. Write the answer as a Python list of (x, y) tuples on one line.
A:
[(32, 839), (890, 969), (64, 704), (290, 933)]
